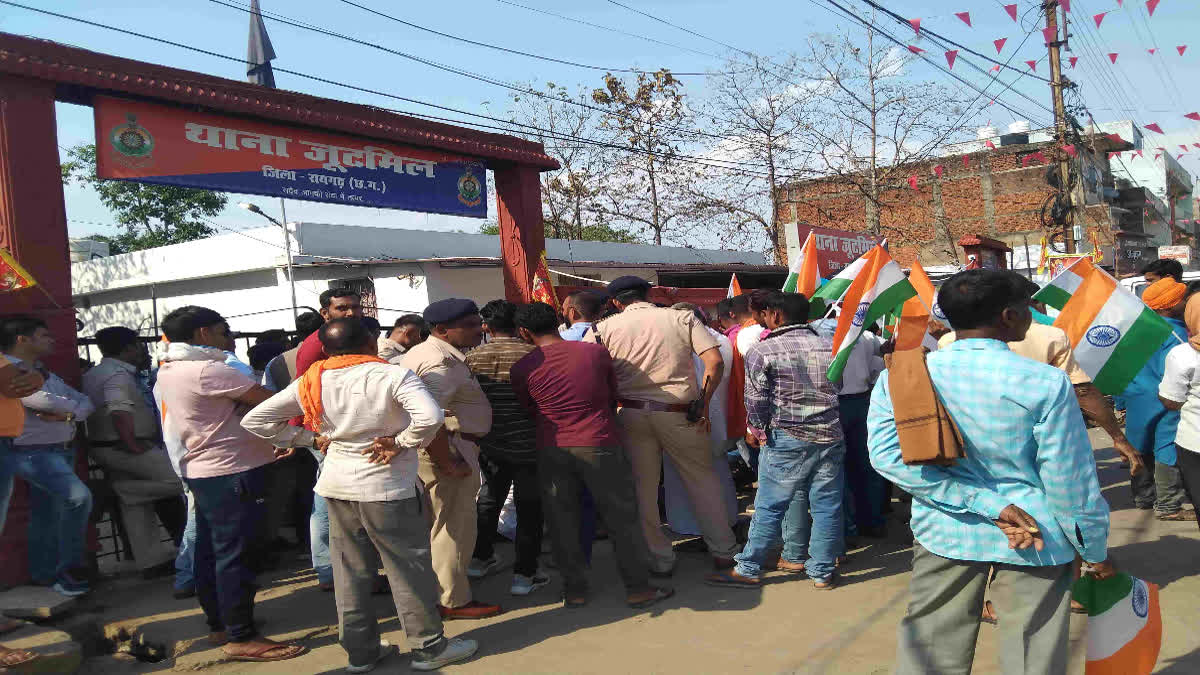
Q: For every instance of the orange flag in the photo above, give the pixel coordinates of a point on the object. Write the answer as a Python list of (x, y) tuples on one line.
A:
[(543, 289), (735, 289), (13, 277), (914, 316)]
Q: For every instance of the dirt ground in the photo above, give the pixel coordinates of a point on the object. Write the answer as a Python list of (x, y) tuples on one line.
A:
[(786, 627)]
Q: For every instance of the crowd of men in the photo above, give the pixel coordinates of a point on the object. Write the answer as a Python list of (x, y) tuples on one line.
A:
[(401, 450)]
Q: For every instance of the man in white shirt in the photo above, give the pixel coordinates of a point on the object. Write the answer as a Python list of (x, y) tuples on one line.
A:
[(373, 417), (1180, 390), (44, 455)]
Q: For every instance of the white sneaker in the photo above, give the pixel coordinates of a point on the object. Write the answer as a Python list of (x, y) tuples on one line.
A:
[(386, 649), (458, 649), (523, 585), (478, 569)]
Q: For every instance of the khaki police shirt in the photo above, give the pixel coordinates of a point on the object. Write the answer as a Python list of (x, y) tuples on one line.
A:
[(112, 386), (652, 350), (1044, 344), (444, 371)]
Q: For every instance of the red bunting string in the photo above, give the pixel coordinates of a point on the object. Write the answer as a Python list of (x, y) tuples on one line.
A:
[(994, 70), (1073, 60), (1193, 116), (1112, 56), (1153, 127), (1151, 5), (966, 161), (1050, 34), (1032, 65), (912, 182), (965, 16), (938, 170), (950, 56), (1071, 150), (916, 50), (1000, 44), (916, 24), (1098, 18), (1138, 153), (1012, 11), (1156, 156), (1180, 156)]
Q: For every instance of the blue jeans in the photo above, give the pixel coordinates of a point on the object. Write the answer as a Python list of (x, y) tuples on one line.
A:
[(185, 559), (865, 488), (230, 511), (318, 530), (809, 478), (60, 503)]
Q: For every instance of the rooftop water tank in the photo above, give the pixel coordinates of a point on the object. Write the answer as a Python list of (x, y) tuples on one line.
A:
[(1019, 127), (984, 133)]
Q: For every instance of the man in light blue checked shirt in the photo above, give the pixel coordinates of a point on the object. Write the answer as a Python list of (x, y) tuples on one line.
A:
[(1025, 499)]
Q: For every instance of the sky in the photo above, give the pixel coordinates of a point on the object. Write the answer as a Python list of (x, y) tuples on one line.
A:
[(1140, 86)]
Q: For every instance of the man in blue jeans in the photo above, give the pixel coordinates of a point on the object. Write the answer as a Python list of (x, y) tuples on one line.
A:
[(790, 398), (44, 455)]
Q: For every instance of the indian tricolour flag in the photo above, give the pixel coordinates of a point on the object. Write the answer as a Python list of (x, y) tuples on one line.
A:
[(879, 287), (1063, 286), (834, 289), (804, 277), (1112, 332), (1124, 624)]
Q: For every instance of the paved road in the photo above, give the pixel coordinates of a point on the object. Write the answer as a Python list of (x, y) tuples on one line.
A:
[(785, 627)]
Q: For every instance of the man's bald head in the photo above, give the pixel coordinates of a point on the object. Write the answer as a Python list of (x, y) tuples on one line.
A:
[(347, 336)]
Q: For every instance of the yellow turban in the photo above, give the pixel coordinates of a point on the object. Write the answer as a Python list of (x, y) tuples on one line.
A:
[(1164, 294)]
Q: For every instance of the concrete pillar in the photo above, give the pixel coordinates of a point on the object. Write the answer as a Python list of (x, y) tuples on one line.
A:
[(522, 237)]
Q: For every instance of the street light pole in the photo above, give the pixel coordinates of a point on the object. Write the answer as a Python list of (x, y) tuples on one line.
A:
[(287, 242)]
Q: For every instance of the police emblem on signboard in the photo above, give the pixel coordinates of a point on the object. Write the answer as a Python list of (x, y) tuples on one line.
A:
[(132, 143), (470, 190)]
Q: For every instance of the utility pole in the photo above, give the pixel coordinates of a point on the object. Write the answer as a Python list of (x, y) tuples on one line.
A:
[(1060, 119)]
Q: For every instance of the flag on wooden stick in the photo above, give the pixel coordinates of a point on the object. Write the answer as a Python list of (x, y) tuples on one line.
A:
[(13, 277), (543, 289), (804, 276)]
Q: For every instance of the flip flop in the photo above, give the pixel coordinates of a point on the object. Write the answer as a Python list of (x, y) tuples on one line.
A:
[(660, 594), (11, 658), (258, 655)]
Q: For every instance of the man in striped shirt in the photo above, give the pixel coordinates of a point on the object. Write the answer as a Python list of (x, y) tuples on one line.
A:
[(508, 453)]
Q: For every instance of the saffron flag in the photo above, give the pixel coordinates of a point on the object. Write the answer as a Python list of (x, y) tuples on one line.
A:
[(1124, 624), (913, 330), (879, 287), (13, 277), (1111, 330), (1063, 286), (543, 289), (735, 289), (804, 277)]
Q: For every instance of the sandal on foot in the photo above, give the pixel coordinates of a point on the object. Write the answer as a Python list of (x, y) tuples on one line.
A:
[(11, 658), (731, 579), (259, 654), (989, 614), (660, 594)]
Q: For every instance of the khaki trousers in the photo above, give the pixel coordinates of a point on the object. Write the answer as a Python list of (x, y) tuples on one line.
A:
[(647, 435), (139, 481), (454, 527)]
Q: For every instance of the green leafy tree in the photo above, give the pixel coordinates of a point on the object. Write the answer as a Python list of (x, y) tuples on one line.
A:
[(151, 215)]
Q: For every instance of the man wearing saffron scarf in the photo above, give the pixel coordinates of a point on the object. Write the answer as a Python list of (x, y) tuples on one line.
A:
[(1149, 425), (372, 418)]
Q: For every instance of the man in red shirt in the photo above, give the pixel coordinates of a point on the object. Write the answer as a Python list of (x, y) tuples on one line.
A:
[(336, 303), (571, 390)]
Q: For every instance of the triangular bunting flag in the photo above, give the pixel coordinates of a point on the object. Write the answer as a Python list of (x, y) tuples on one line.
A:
[(1050, 34), (965, 16), (1183, 146), (1071, 150), (1181, 49), (1000, 44), (1153, 127), (1073, 60), (1113, 154), (1193, 116), (1012, 11), (994, 69), (1152, 50), (916, 50), (916, 24), (1151, 5), (1138, 153), (950, 56), (1066, 5), (1120, 3), (1032, 65), (1196, 144), (990, 144), (912, 182), (1156, 156), (1098, 18), (966, 161), (1180, 155), (1112, 56), (938, 170)]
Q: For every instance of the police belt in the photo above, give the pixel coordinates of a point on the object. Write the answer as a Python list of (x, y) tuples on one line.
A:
[(653, 406)]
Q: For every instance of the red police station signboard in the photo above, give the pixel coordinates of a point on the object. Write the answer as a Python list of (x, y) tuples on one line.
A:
[(153, 143), (835, 248)]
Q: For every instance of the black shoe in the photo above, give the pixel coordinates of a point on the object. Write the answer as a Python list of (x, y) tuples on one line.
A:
[(159, 570)]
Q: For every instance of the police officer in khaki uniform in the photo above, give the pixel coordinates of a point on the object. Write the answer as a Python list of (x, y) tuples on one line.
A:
[(652, 352), (453, 485)]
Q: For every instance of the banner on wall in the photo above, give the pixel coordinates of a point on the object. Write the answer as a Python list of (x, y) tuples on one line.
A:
[(152, 143)]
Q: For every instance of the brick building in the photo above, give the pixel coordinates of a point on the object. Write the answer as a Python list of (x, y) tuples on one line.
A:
[(996, 193)]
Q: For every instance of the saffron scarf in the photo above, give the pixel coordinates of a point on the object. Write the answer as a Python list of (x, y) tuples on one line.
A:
[(310, 384), (735, 414), (1191, 317)]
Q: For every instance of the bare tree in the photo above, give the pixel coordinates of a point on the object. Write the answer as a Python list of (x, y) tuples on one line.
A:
[(877, 122), (761, 107), (651, 120)]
